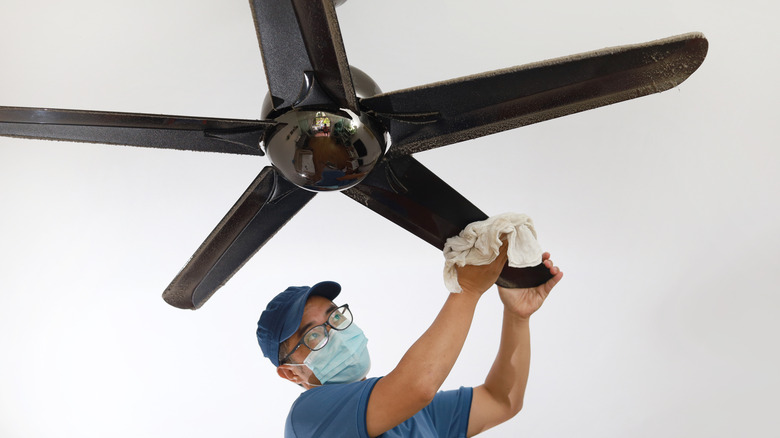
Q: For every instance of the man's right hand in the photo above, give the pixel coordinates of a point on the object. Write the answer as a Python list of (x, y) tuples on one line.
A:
[(478, 279)]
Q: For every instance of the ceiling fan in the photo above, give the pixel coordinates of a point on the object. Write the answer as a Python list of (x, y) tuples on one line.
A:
[(328, 127)]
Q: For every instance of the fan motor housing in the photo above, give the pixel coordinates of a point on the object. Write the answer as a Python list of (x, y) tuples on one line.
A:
[(325, 150), (322, 148)]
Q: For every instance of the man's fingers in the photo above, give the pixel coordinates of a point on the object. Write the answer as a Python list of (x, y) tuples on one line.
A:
[(504, 248), (557, 275), (502, 254)]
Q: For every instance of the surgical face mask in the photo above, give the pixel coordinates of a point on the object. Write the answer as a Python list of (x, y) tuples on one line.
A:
[(344, 359)]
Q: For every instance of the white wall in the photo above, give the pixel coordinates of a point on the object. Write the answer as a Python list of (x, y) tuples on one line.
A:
[(662, 212)]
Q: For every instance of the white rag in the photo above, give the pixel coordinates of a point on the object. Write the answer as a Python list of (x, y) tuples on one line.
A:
[(479, 243)]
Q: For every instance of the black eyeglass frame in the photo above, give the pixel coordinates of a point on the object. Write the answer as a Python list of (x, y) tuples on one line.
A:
[(326, 324)]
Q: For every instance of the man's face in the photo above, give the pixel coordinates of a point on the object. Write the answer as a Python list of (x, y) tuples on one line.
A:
[(315, 313)]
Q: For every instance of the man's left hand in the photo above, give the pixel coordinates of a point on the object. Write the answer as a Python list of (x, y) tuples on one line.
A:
[(523, 302)]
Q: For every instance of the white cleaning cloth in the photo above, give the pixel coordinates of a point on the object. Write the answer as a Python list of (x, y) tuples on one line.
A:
[(479, 243)]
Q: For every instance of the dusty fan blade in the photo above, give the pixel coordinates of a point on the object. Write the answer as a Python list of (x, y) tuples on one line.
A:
[(146, 130), (443, 113), (303, 53), (263, 209), (408, 194)]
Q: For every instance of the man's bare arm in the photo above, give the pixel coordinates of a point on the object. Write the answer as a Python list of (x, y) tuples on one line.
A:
[(418, 376), (501, 396)]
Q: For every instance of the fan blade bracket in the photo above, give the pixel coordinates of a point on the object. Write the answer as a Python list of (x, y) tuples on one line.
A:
[(422, 118), (251, 138), (281, 189), (322, 37), (313, 94), (297, 38), (394, 181)]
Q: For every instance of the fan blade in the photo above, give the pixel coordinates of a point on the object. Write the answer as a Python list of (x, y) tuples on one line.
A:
[(439, 114), (408, 194), (263, 209), (157, 131), (303, 53)]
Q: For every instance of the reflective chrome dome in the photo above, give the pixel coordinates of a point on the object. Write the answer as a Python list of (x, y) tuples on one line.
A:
[(324, 151)]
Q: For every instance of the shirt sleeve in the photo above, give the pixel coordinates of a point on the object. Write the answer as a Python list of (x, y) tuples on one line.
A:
[(337, 410), (449, 412)]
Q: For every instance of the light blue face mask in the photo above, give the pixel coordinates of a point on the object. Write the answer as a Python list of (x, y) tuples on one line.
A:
[(344, 359)]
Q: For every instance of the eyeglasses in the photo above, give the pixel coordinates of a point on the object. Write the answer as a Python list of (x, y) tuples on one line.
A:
[(317, 337)]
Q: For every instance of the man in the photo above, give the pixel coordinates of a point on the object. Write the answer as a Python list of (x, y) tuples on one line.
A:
[(314, 344)]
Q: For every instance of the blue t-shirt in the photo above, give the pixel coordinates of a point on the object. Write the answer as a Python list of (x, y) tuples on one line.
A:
[(339, 411)]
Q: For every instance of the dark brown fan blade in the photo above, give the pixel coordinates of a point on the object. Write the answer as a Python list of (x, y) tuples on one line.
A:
[(439, 114), (303, 53), (263, 209), (408, 194), (147, 130)]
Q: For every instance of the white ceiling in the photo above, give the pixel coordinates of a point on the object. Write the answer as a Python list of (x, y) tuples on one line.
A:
[(662, 212)]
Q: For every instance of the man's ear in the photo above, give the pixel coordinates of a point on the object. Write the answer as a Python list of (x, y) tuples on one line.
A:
[(286, 372)]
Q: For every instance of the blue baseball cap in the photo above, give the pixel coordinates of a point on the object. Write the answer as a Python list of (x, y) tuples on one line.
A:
[(283, 315)]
